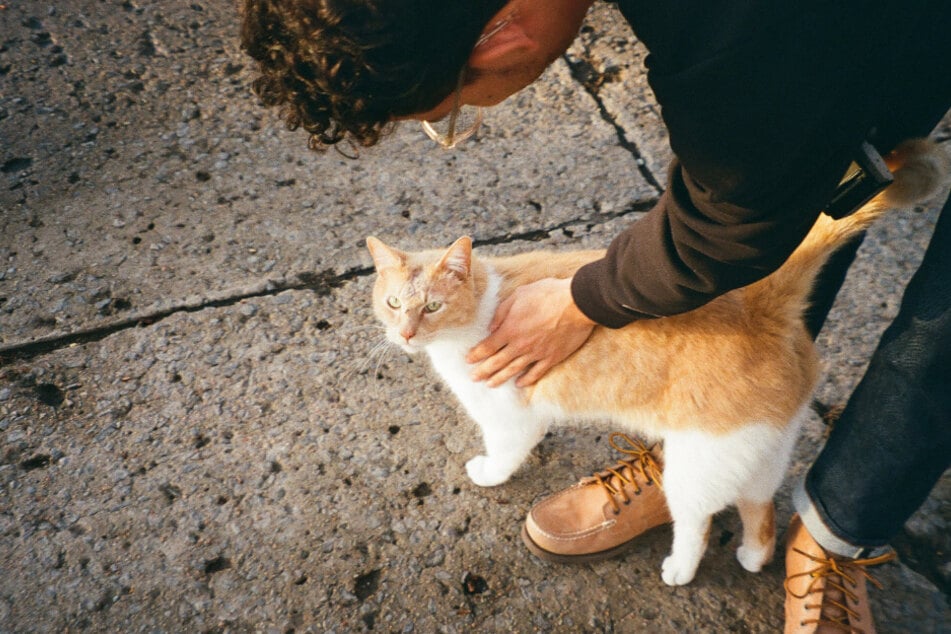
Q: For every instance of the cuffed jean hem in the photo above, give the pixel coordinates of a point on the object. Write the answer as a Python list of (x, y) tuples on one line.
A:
[(814, 521)]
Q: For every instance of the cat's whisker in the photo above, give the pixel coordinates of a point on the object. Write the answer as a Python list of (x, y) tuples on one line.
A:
[(374, 357), (382, 350)]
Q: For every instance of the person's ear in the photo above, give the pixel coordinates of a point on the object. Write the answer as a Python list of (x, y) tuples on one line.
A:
[(502, 47)]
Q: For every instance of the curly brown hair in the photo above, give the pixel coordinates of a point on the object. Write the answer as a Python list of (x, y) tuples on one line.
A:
[(346, 68)]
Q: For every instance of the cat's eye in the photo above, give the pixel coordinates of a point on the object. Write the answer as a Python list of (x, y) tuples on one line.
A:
[(393, 301), (432, 307)]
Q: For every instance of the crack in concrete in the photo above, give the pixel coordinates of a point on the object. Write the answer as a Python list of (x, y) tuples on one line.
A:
[(584, 72), (536, 235), (323, 283)]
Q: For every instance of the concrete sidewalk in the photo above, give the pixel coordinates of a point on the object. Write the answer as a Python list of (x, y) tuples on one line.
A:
[(199, 431)]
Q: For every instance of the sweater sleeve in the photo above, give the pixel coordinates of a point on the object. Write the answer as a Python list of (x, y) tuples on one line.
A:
[(763, 118), (686, 251)]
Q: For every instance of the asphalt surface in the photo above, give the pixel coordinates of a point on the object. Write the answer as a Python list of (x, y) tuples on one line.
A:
[(199, 431)]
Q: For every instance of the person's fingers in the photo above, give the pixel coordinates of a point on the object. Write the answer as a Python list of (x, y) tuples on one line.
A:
[(512, 369), (495, 341), (534, 373), (494, 364), (486, 349), (501, 312), (529, 335)]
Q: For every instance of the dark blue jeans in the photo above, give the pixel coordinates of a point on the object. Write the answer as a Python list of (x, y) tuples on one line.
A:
[(893, 440)]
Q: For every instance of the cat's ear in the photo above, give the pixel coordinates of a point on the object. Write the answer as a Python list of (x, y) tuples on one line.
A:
[(385, 257), (458, 258)]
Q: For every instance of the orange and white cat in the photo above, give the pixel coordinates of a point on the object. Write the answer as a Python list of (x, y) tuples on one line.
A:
[(725, 386)]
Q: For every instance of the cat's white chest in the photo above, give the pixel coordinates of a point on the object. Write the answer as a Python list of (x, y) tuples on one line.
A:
[(449, 359)]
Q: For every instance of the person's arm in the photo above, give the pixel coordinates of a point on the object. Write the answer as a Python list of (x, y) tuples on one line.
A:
[(689, 249), (764, 105)]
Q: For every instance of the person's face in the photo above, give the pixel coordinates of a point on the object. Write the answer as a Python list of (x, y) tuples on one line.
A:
[(548, 26)]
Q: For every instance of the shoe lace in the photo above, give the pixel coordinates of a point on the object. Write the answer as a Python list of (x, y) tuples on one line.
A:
[(640, 463), (839, 576)]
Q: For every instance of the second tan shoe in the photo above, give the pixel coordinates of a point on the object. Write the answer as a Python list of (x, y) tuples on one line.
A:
[(600, 516), (825, 594)]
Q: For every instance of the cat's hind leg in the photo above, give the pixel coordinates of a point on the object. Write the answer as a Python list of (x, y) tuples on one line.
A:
[(691, 531), (759, 534), (755, 502), (696, 487), (703, 474)]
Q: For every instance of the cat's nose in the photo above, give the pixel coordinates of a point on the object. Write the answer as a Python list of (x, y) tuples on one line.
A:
[(407, 333)]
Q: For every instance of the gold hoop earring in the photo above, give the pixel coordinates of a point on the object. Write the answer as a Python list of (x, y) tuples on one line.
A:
[(452, 137)]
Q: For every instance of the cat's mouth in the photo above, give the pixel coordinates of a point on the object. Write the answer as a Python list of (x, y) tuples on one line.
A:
[(412, 346)]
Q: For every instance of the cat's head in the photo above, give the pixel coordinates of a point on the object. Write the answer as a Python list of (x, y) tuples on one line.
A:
[(420, 295)]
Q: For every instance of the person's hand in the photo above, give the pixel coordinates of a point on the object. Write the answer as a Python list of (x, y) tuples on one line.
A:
[(535, 328)]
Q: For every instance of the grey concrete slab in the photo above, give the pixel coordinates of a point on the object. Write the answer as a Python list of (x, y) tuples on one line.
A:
[(226, 451), (138, 169), (263, 466)]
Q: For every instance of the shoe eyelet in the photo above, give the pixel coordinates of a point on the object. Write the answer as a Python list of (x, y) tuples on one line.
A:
[(638, 492), (617, 512), (627, 502)]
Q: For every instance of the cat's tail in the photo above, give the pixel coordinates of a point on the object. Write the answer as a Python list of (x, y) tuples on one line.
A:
[(920, 168)]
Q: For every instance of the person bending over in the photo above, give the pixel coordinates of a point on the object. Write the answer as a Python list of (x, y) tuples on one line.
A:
[(766, 103)]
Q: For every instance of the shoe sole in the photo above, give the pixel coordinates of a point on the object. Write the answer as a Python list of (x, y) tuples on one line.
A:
[(585, 558)]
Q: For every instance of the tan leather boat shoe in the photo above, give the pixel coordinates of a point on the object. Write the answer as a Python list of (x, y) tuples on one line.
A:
[(824, 593), (600, 516)]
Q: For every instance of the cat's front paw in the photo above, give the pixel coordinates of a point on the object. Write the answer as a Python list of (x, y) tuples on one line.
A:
[(484, 472), (677, 573)]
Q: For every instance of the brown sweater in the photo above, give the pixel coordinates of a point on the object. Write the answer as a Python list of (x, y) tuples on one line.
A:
[(765, 101)]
